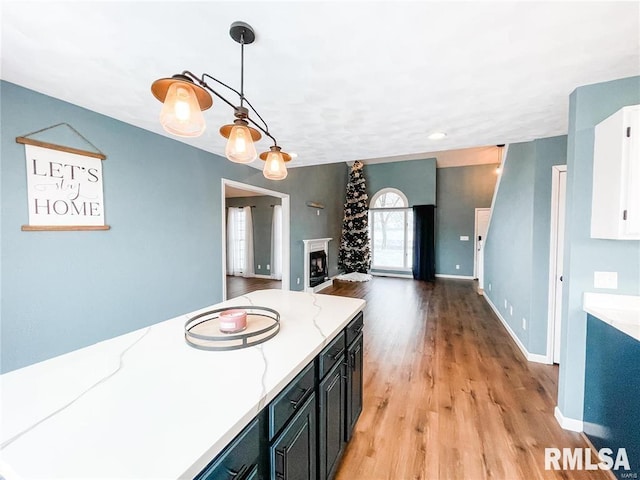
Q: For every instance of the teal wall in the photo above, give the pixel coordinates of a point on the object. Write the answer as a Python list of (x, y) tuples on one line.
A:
[(262, 218), (415, 178), (507, 260), (460, 191), (325, 184), (549, 152), (162, 257), (588, 106), (517, 246)]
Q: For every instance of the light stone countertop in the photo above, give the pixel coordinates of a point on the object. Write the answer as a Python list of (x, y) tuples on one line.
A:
[(620, 311), (145, 405)]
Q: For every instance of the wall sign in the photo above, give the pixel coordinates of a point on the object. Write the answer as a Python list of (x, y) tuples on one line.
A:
[(64, 187)]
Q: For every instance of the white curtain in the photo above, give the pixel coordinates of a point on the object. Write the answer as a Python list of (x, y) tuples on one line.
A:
[(276, 243), (248, 267), (240, 242), (234, 253)]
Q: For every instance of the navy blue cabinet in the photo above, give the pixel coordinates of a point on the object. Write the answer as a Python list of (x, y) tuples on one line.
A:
[(339, 396), (354, 384), (241, 460), (302, 433), (289, 401), (612, 392), (332, 394), (292, 455)]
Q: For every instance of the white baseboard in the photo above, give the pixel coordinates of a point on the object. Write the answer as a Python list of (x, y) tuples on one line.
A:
[(263, 276), (538, 358), (531, 357), (385, 274), (572, 424), (459, 277)]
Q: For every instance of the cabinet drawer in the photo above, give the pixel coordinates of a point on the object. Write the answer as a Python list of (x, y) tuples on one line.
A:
[(282, 408), (354, 328), (240, 460), (332, 354)]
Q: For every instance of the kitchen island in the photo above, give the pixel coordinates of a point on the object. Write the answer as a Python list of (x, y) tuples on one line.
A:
[(612, 376), (146, 404)]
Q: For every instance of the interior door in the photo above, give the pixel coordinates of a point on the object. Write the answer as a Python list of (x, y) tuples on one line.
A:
[(482, 223), (559, 253)]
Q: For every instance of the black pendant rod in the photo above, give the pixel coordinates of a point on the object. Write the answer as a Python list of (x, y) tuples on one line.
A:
[(242, 69)]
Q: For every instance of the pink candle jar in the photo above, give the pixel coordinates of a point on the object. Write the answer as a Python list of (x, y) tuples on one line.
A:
[(232, 321)]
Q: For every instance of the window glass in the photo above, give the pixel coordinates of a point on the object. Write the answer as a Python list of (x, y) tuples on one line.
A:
[(391, 230)]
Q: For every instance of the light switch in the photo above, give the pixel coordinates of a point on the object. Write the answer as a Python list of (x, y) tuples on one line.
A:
[(464, 238), (605, 280)]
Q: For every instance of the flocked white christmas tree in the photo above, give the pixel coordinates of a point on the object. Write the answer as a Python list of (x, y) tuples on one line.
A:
[(354, 254)]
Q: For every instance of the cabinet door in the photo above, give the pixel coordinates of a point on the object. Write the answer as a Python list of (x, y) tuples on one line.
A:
[(354, 384), (615, 200), (293, 453), (332, 420), (240, 460)]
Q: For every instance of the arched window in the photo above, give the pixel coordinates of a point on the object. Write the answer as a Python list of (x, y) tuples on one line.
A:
[(391, 231), (389, 198)]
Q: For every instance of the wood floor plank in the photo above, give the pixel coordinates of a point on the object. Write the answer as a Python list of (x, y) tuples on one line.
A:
[(237, 286), (447, 393)]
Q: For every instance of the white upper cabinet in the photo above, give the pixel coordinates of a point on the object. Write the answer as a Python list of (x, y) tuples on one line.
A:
[(615, 205)]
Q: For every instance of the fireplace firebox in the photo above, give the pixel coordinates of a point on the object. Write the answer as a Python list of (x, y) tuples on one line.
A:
[(317, 268)]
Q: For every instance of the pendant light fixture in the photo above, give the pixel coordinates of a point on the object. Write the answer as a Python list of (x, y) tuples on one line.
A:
[(274, 167), (185, 96)]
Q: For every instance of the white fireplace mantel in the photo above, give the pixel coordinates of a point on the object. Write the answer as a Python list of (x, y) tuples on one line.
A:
[(315, 245)]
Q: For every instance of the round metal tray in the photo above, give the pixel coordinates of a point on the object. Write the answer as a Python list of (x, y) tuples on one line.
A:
[(203, 330)]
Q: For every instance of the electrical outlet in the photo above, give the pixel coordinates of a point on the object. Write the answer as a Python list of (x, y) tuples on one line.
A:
[(268, 267), (259, 267), (511, 310), (464, 238), (457, 267), (489, 286), (505, 303), (318, 212), (605, 280), (524, 323), (298, 281)]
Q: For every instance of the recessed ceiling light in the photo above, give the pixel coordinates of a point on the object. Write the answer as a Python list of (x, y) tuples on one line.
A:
[(437, 136)]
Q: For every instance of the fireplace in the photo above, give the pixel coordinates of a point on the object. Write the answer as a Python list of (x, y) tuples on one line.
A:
[(316, 269)]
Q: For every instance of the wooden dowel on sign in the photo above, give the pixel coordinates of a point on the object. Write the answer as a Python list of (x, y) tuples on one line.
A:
[(59, 228), (53, 146)]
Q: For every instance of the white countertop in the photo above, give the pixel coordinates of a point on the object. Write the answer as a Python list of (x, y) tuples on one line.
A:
[(147, 405), (619, 311)]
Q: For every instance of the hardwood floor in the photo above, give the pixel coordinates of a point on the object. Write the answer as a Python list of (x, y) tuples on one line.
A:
[(237, 286), (447, 394)]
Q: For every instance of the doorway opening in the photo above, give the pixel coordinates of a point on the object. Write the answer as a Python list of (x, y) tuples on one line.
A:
[(274, 270), (556, 259)]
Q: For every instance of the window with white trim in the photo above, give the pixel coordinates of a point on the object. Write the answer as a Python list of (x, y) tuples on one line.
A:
[(391, 230)]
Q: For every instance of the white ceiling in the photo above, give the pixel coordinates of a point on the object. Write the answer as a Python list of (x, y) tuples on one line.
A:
[(336, 81)]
